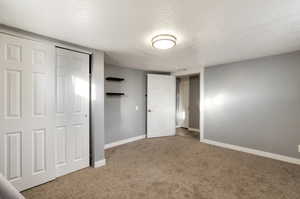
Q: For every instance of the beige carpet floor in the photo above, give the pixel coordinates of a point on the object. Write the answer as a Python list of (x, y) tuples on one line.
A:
[(176, 167)]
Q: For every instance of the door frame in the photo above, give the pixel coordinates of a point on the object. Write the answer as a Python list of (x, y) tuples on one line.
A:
[(193, 71)]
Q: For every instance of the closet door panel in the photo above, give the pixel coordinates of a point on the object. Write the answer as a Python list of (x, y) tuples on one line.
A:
[(72, 111), (27, 119)]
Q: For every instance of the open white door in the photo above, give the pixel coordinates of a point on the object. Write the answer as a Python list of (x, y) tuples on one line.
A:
[(27, 116), (72, 111), (160, 105)]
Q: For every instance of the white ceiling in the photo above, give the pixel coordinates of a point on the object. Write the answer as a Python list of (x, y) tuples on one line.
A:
[(209, 32)]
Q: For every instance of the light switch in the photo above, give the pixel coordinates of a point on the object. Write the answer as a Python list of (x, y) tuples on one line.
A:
[(136, 108), (299, 148)]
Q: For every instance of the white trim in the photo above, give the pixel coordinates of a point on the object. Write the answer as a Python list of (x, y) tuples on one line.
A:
[(193, 129), (188, 71), (202, 103), (70, 47), (121, 142), (23, 34), (254, 152), (45, 39), (99, 163)]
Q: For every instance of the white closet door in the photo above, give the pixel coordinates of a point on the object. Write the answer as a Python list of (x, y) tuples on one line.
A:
[(27, 117), (72, 111)]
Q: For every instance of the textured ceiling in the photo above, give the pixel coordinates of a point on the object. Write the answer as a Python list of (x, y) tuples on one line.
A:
[(209, 32)]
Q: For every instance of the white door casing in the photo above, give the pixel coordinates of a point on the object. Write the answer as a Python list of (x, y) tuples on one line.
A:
[(72, 111), (161, 97), (27, 117)]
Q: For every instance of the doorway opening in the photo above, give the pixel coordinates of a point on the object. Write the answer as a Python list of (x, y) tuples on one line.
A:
[(188, 106)]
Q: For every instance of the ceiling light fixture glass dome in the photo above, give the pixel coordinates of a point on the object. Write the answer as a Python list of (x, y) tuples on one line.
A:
[(163, 41)]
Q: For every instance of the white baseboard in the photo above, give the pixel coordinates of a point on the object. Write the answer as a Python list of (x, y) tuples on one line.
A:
[(100, 163), (254, 152), (120, 142), (193, 129)]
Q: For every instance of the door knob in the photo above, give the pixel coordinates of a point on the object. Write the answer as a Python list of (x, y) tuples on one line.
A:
[(149, 110)]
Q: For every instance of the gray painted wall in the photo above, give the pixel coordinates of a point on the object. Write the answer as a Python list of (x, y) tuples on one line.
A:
[(97, 107), (255, 104), (194, 102), (122, 120)]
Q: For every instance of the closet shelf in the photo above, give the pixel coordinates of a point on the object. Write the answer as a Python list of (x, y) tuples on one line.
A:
[(115, 94), (117, 79)]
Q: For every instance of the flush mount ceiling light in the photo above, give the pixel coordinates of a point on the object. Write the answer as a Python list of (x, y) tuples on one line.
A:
[(163, 41)]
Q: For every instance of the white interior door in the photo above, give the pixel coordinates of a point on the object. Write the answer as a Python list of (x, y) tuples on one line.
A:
[(27, 116), (72, 111), (160, 105)]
